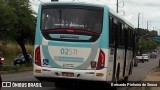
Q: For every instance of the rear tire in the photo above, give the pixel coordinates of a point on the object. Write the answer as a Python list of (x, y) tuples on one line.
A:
[(136, 63), (62, 84), (125, 80), (59, 85), (15, 63), (20, 63), (117, 75)]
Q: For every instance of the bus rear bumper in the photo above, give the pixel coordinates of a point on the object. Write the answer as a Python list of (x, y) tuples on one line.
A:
[(52, 74)]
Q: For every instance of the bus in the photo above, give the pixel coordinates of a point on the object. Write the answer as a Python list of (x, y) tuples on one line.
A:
[(82, 42)]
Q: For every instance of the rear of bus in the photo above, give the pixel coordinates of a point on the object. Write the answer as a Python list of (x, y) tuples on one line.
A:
[(68, 43)]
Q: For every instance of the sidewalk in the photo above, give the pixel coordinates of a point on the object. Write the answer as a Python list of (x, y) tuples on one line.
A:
[(153, 75)]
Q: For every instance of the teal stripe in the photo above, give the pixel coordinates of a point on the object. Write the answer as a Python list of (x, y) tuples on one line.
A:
[(47, 56), (105, 30), (71, 59), (38, 37), (71, 44)]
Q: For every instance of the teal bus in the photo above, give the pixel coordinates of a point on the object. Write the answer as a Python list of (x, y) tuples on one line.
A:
[(82, 42)]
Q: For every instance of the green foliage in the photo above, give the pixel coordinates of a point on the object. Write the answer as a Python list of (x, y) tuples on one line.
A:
[(11, 50), (141, 32), (10, 69), (25, 25), (8, 18), (146, 44), (153, 33), (4, 43), (144, 40), (17, 17)]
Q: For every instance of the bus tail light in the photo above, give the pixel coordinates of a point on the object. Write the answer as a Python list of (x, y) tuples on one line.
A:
[(101, 60), (70, 30), (38, 56)]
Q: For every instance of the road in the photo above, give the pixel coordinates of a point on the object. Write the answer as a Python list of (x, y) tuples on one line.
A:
[(138, 74)]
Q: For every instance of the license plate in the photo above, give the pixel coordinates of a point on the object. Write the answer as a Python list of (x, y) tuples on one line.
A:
[(68, 74)]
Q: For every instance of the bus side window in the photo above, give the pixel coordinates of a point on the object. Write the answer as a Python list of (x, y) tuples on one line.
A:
[(115, 30), (123, 35), (119, 34), (111, 31), (129, 38), (126, 42)]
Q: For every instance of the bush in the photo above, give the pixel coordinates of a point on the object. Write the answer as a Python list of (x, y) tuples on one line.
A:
[(11, 50), (10, 69)]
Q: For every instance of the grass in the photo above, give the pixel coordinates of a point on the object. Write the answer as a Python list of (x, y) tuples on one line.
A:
[(11, 69), (157, 69), (147, 88), (10, 51)]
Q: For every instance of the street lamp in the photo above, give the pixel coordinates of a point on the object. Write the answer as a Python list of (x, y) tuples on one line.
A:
[(138, 19)]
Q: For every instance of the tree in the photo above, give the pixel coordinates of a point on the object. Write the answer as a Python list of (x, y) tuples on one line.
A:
[(153, 33), (145, 44), (25, 26), (8, 18)]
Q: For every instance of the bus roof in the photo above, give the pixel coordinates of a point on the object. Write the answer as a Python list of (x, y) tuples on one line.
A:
[(73, 3), (120, 17)]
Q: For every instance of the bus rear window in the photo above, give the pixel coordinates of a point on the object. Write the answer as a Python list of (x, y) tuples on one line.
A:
[(79, 18)]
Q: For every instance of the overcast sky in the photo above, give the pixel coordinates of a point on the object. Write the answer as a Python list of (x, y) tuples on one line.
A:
[(149, 10)]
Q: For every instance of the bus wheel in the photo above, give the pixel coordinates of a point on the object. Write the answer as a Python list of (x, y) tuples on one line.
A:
[(59, 85), (125, 79), (117, 75), (62, 84)]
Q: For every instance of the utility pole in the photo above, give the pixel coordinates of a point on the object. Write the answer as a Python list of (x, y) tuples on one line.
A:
[(147, 25), (138, 19), (117, 6)]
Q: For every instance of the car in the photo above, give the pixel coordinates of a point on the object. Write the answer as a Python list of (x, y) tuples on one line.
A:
[(20, 59), (153, 54), (139, 58), (1, 60), (142, 58), (145, 57)]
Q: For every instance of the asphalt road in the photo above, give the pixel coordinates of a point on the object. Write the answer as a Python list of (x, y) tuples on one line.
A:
[(138, 74)]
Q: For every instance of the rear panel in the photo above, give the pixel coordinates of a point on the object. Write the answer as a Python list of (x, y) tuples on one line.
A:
[(71, 49)]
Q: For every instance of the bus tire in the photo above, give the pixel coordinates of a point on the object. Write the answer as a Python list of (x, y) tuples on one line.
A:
[(62, 84), (130, 69), (117, 74), (125, 79), (59, 85), (15, 63)]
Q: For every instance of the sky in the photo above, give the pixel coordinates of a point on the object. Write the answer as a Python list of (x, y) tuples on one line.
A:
[(149, 10)]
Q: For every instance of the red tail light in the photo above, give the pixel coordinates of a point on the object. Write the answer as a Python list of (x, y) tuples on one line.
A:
[(69, 30), (101, 60), (38, 56)]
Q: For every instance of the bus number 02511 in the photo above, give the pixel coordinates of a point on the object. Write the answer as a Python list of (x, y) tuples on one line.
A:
[(67, 51)]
